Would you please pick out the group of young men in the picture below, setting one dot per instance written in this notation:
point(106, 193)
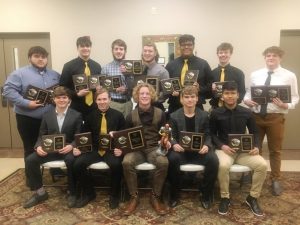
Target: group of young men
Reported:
point(103, 112)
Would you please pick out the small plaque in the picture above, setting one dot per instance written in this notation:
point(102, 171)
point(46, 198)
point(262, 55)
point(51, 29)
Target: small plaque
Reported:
point(139, 79)
point(37, 94)
point(93, 81)
point(219, 89)
point(105, 142)
point(241, 142)
point(190, 77)
point(130, 140)
point(112, 82)
point(170, 85)
point(133, 67)
point(154, 81)
point(53, 142)
point(263, 94)
point(80, 82)
point(102, 79)
point(50, 96)
point(191, 141)
point(83, 142)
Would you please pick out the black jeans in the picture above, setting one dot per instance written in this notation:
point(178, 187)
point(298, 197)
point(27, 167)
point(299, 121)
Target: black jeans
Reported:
point(33, 171)
point(84, 180)
point(28, 128)
point(209, 160)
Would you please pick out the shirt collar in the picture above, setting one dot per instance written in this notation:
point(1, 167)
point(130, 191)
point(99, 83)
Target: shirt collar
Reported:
point(61, 114)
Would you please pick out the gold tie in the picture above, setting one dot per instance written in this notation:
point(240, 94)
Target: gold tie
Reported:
point(103, 130)
point(183, 71)
point(222, 78)
point(89, 96)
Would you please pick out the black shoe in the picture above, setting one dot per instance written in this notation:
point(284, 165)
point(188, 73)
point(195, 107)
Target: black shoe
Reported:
point(35, 199)
point(206, 200)
point(71, 201)
point(276, 188)
point(224, 206)
point(253, 205)
point(173, 202)
point(113, 202)
point(84, 200)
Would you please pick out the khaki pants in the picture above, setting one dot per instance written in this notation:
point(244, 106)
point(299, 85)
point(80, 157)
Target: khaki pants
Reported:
point(255, 162)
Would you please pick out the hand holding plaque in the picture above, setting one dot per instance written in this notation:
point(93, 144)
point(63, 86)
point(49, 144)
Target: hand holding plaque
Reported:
point(241, 142)
point(170, 85)
point(166, 134)
point(111, 83)
point(53, 142)
point(262, 94)
point(80, 82)
point(191, 141)
point(132, 67)
point(83, 142)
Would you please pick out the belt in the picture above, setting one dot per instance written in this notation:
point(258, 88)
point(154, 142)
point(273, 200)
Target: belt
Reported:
point(119, 100)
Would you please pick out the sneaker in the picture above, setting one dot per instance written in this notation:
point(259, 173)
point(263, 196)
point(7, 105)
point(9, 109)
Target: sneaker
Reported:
point(224, 206)
point(253, 205)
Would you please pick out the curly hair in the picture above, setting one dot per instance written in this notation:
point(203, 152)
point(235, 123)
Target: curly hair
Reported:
point(136, 92)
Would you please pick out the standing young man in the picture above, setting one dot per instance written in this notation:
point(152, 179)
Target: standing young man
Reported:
point(270, 117)
point(188, 61)
point(234, 119)
point(120, 98)
point(152, 119)
point(29, 113)
point(82, 101)
point(192, 119)
point(226, 72)
point(59, 120)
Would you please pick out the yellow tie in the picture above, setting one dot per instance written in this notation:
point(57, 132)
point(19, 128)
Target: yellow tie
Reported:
point(222, 78)
point(103, 130)
point(183, 71)
point(89, 96)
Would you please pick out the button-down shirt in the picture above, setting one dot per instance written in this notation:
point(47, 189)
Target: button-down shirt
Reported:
point(60, 118)
point(17, 84)
point(280, 76)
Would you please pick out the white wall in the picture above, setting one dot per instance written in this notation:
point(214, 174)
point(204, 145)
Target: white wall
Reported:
point(250, 26)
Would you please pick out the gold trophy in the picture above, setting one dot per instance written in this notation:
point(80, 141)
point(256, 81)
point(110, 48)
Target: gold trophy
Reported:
point(166, 135)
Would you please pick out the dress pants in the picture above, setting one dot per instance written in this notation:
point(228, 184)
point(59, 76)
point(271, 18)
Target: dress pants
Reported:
point(272, 125)
point(148, 155)
point(209, 160)
point(85, 185)
point(28, 128)
point(255, 162)
point(33, 171)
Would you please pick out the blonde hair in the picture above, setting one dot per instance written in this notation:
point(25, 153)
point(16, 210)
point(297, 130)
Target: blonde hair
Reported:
point(136, 92)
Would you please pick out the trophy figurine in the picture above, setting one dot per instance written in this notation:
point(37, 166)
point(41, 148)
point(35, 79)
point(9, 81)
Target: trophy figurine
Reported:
point(166, 135)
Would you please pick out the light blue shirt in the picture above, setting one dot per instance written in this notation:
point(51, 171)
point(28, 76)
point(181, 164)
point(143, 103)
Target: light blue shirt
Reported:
point(17, 83)
point(61, 118)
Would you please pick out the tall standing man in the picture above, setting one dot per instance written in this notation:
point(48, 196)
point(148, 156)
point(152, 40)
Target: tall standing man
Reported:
point(82, 100)
point(120, 99)
point(270, 117)
point(226, 72)
point(188, 61)
point(29, 113)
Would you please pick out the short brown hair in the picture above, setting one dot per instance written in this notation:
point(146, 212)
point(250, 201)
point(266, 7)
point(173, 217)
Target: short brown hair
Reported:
point(274, 49)
point(119, 42)
point(189, 90)
point(136, 91)
point(225, 46)
point(186, 37)
point(84, 41)
point(61, 91)
point(152, 44)
point(101, 91)
point(37, 50)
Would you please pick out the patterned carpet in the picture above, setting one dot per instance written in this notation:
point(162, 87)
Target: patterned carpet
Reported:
point(278, 210)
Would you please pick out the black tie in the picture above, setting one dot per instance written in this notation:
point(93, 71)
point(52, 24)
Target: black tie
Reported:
point(263, 108)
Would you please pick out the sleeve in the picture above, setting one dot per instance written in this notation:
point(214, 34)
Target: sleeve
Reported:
point(43, 131)
point(78, 127)
point(175, 132)
point(252, 128)
point(241, 86)
point(205, 87)
point(66, 79)
point(214, 130)
point(294, 92)
point(207, 140)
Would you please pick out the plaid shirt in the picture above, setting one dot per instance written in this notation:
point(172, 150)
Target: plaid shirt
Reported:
point(112, 69)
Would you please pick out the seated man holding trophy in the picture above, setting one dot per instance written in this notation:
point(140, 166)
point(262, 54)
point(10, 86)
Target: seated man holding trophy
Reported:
point(152, 119)
point(100, 123)
point(228, 127)
point(55, 142)
point(191, 143)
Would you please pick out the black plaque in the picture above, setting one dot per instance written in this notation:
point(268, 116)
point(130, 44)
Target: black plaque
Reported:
point(191, 141)
point(105, 142)
point(80, 82)
point(93, 81)
point(190, 77)
point(219, 89)
point(132, 67)
point(53, 142)
point(102, 79)
point(37, 94)
point(241, 142)
point(83, 142)
point(263, 94)
point(111, 83)
point(50, 96)
point(176, 84)
point(154, 81)
point(130, 140)
point(139, 79)
point(170, 85)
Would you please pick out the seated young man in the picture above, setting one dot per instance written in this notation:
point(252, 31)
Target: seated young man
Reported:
point(234, 119)
point(102, 120)
point(192, 119)
point(152, 119)
point(59, 120)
